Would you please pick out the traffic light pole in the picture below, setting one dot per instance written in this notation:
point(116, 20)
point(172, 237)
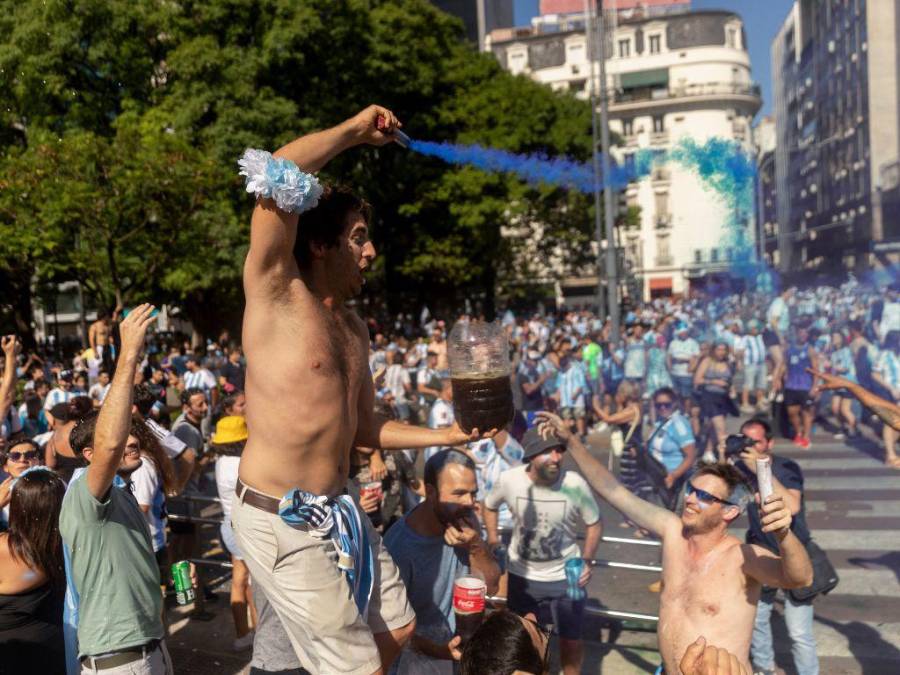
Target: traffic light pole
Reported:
point(595, 145)
point(612, 282)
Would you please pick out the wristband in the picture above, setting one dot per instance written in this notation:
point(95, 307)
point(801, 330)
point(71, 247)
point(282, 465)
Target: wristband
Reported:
point(281, 180)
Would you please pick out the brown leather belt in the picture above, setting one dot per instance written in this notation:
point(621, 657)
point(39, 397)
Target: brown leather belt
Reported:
point(122, 658)
point(250, 496)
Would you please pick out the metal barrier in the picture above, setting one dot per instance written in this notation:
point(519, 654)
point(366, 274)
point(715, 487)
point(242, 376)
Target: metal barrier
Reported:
point(594, 611)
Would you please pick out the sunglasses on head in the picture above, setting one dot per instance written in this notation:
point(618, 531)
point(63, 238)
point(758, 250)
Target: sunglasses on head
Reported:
point(19, 456)
point(704, 496)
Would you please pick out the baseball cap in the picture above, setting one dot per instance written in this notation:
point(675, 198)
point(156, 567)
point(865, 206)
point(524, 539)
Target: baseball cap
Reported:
point(534, 444)
point(534, 355)
point(230, 429)
point(66, 375)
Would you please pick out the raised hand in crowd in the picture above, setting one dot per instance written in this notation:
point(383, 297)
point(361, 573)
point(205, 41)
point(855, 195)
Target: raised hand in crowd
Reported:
point(703, 659)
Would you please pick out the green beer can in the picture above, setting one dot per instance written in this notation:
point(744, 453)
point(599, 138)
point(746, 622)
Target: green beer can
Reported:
point(181, 579)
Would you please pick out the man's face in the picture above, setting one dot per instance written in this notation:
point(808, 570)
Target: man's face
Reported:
point(432, 361)
point(65, 385)
point(197, 406)
point(547, 465)
point(438, 336)
point(37, 374)
point(131, 459)
point(758, 434)
point(700, 516)
point(347, 262)
point(664, 406)
point(103, 379)
point(192, 365)
point(454, 498)
point(234, 356)
point(19, 458)
point(240, 406)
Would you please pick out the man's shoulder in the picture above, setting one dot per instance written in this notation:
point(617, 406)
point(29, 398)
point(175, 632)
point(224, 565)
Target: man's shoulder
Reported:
point(785, 465)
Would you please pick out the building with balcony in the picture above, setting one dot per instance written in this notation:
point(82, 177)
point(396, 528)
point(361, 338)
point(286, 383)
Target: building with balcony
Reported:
point(766, 192)
point(670, 77)
point(835, 83)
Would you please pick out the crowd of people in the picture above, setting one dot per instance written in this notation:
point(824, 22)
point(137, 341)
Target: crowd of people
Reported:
point(105, 453)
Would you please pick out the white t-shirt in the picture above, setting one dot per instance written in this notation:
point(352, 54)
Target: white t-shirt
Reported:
point(148, 491)
point(396, 378)
point(98, 391)
point(226, 481)
point(440, 416)
point(683, 349)
point(546, 518)
point(200, 379)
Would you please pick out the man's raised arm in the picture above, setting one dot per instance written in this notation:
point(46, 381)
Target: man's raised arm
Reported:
point(649, 516)
point(888, 411)
point(114, 421)
point(273, 228)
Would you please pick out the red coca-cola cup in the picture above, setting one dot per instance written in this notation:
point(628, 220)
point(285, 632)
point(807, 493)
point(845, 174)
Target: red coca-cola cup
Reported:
point(468, 606)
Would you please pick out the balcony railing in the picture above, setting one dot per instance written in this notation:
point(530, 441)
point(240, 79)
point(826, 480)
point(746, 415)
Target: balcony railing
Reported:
point(664, 260)
point(663, 220)
point(685, 91)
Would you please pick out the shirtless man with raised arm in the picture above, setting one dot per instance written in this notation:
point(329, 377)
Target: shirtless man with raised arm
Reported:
point(310, 400)
point(711, 581)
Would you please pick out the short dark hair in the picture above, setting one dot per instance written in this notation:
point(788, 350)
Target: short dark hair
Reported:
point(667, 391)
point(187, 393)
point(732, 477)
point(82, 434)
point(144, 398)
point(435, 465)
point(500, 646)
point(759, 422)
point(325, 223)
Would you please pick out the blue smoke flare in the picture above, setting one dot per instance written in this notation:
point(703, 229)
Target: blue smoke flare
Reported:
point(720, 164)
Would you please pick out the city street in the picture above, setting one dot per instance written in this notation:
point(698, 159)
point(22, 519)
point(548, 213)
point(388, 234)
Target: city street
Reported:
point(853, 507)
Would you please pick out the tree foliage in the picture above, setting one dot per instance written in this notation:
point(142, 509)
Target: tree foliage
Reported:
point(124, 119)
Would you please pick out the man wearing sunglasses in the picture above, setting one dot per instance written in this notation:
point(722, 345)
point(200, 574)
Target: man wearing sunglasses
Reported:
point(711, 581)
point(672, 443)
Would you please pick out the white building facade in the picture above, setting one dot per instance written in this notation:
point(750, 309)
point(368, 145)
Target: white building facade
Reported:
point(670, 77)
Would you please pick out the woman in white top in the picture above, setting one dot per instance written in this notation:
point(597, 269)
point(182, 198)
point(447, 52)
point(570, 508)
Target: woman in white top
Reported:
point(228, 443)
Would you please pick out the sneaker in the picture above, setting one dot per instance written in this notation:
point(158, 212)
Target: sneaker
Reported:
point(748, 409)
point(763, 671)
point(708, 457)
point(804, 443)
point(600, 427)
point(840, 436)
point(242, 643)
point(798, 441)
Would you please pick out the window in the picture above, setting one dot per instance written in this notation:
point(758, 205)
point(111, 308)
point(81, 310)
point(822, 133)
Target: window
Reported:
point(659, 124)
point(628, 127)
point(624, 48)
point(662, 206)
point(655, 44)
point(663, 254)
point(731, 37)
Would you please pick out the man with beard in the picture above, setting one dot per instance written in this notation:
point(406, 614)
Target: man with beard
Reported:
point(547, 505)
point(711, 581)
point(315, 556)
point(113, 568)
point(436, 542)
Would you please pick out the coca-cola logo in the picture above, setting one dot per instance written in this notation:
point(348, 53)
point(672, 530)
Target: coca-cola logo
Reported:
point(468, 600)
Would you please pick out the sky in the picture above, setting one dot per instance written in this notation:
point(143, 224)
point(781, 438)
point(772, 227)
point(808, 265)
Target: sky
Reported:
point(760, 25)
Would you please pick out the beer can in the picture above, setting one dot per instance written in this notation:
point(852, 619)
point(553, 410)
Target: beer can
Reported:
point(181, 579)
point(764, 478)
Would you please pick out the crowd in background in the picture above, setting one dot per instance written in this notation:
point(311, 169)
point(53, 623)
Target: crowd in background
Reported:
point(679, 370)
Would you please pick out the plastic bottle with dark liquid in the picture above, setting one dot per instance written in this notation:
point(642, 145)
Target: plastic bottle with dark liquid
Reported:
point(479, 372)
point(483, 401)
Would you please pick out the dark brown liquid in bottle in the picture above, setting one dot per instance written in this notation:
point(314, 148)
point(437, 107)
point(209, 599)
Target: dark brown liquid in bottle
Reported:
point(483, 402)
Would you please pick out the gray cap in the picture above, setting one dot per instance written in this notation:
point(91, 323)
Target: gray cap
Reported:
point(534, 444)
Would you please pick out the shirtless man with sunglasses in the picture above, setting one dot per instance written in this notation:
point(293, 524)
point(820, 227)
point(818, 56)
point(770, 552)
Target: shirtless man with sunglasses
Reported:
point(711, 581)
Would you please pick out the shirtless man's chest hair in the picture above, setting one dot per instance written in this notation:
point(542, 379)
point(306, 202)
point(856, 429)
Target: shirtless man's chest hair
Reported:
point(705, 594)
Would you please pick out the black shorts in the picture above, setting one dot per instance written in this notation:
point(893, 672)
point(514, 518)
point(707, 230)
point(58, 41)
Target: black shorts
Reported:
point(770, 338)
point(795, 397)
point(713, 404)
point(550, 604)
point(181, 527)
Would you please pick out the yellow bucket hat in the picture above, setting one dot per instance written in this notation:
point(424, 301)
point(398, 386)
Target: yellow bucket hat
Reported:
point(230, 429)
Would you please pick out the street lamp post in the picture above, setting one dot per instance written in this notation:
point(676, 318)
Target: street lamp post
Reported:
point(598, 227)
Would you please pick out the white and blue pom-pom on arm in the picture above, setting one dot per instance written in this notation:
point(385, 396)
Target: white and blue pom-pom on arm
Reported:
point(281, 180)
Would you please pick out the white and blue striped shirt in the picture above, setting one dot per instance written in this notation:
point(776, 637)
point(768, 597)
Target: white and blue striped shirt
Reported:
point(57, 396)
point(888, 366)
point(753, 348)
point(199, 379)
point(572, 385)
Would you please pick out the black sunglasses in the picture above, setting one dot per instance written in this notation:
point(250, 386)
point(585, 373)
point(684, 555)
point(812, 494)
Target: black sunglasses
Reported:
point(19, 456)
point(664, 404)
point(704, 496)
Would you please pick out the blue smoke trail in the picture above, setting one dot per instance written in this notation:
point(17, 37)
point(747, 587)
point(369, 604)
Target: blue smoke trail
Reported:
point(720, 164)
point(536, 168)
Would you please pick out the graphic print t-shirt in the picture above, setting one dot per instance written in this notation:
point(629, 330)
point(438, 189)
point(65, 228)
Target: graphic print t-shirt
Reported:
point(546, 518)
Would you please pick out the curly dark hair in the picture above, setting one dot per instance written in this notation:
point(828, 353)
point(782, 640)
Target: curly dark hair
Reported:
point(326, 223)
